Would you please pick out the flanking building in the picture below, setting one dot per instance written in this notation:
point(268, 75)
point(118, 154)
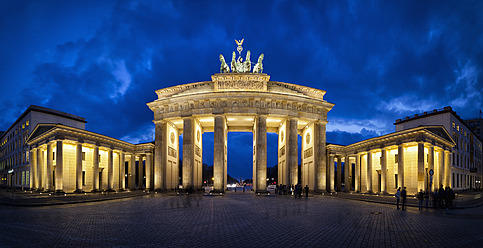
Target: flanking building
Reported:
point(466, 159)
point(401, 159)
point(14, 150)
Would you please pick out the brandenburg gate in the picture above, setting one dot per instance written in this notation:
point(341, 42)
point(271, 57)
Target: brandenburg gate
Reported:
point(240, 100)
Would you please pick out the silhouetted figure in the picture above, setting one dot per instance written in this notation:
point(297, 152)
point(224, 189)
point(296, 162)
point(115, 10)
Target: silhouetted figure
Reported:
point(306, 191)
point(403, 195)
point(435, 199)
point(420, 196)
point(398, 196)
point(441, 196)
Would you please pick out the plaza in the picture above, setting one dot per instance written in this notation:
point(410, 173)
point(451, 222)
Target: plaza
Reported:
point(167, 220)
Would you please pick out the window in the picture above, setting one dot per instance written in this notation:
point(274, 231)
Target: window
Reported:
point(27, 123)
point(457, 180)
point(53, 155)
point(454, 125)
point(83, 156)
point(458, 128)
point(396, 157)
point(99, 158)
point(395, 181)
point(477, 123)
point(83, 178)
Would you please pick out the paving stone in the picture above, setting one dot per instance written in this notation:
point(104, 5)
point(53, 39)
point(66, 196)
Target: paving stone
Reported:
point(245, 220)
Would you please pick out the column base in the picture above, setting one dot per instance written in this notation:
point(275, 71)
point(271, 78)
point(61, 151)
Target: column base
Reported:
point(110, 190)
point(79, 191)
point(59, 192)
point(95, 191)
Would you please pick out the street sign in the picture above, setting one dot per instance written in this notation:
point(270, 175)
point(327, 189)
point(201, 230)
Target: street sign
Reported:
point(431, 172)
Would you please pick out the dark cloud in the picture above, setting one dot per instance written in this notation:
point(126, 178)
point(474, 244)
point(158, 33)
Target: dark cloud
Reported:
point(378, 61)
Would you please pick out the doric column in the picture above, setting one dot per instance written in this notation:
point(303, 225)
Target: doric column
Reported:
point(122, 171)
point(33, 168)
point(49, 171)
point(357, 173)
point(427, 180)
point(140, 173)
point(369, 172)
point(440, 170)
point(188, 152)
point(292, 155)
point(383, 171)
point(110, 170)
point(160, 153)
point(149, 168)
point(447, 169)
point(320, 139)
point(331, 172)
point(339, 173)
point(400, 166)
point(59, 167)
point(40, 171)
point(78, 167)
point(132, 172)
point(420, 166)
point(347, 173)
point(261, 154)
point(95, 171)
point(219, 154)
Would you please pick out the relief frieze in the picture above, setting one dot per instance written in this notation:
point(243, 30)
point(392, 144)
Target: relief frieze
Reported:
point(309, 152)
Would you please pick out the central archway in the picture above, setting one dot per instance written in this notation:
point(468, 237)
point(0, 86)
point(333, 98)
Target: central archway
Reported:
point(240, 102)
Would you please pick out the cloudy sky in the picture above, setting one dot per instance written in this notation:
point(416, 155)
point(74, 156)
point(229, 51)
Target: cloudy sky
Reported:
point(378, 60)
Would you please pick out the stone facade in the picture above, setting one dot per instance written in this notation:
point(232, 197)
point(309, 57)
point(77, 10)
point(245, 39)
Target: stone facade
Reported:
point(67, 159)
point(401, 159)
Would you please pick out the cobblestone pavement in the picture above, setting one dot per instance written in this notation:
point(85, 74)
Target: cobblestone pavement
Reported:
point(246, 220)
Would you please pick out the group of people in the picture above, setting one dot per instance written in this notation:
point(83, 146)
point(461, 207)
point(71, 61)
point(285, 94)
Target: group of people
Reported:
point(296, 190)
point(442, 198)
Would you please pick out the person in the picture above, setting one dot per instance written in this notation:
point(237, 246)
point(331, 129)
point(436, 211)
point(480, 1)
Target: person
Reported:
point(398, 196)
point(420, 196)
point(306, 191)
point(435, 198)
point(441, 196)
point(403, 195)
point(451, 197)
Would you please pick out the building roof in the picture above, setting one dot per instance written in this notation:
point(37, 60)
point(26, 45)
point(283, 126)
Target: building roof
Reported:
point(44, 110)
point(447, 109)
point(45, 132)
point(430, 134)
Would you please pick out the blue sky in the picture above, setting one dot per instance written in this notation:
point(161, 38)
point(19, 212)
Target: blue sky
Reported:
point(378, 60)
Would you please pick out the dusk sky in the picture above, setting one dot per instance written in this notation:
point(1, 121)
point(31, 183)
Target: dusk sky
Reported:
point(378, 61)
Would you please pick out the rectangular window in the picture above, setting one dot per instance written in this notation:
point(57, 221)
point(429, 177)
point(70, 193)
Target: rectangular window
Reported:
point(395, 181)
point(457, 181)
point(396, 158)
point(453, 180)
point(83, 178)
point(27, 177)
point(83, 156)
point(53, 155)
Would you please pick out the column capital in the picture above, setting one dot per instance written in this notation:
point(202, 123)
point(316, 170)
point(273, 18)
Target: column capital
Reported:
point(324, 122)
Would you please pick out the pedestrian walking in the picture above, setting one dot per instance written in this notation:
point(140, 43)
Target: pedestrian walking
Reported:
point(306, 191)
point(441, 196)
point(420, 196)
point(435, 199)
point(403, 195)
point(398, 196)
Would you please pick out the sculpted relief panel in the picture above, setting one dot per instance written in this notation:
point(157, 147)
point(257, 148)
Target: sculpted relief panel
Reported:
point(207, 106)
